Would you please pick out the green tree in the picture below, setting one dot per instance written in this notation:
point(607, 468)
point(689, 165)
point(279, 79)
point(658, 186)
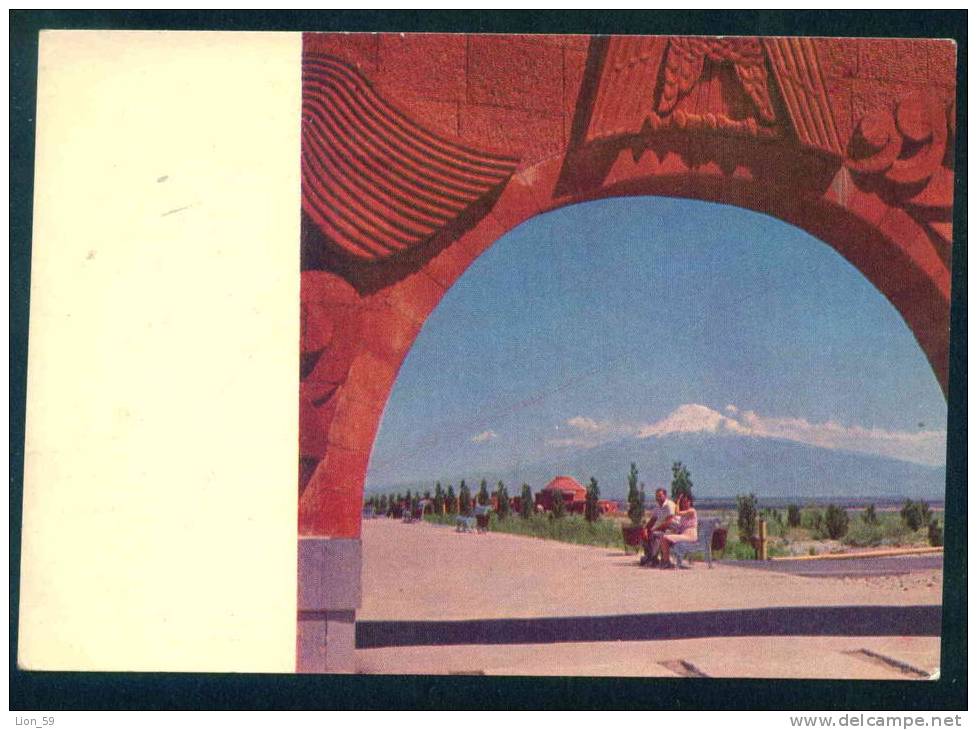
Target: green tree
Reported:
point(924, 511)
point(636, 504)
point(793, 515)
point(483, 493)
point(591, 507)
point(427, 494)
point(438, 499)
point(526, 506)
point(869, 517)
point(681, 481)
point(502, 496)
point(450, 500)
point(746, 515)
point(915, 514)
point(934, 533)
point(464, 499)
point(559, 509)
point(408, 500)
point(909, 515)
point(383, 504)
point(836, 522)
point(815, 521)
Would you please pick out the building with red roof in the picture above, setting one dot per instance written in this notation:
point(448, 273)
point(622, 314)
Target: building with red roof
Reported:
point(570, 489)
point(574, 496)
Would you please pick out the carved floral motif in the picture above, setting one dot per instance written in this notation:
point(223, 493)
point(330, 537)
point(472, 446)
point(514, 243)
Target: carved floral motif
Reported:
point(906, 145)
point(905, 148)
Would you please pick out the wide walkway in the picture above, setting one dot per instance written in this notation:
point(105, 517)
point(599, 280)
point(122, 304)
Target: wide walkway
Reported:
point(593, 611)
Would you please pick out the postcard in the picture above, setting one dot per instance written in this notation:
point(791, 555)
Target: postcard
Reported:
point(458, 353)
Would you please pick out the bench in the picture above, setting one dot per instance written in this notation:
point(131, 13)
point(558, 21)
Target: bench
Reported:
point(702, 545)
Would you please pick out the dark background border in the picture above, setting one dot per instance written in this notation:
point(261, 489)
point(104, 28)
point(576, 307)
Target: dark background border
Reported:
point(147, 691)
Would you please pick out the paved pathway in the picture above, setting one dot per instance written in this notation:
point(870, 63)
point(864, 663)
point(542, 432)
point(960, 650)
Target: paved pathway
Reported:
point(587, 610)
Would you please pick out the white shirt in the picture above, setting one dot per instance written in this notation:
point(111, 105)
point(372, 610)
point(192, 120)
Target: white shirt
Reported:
point(662, 512)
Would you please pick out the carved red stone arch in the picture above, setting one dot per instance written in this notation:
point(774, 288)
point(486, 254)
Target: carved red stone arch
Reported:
point(419, 152)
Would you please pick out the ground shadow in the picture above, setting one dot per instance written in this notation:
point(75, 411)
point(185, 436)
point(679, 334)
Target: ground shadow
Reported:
point(783, 621)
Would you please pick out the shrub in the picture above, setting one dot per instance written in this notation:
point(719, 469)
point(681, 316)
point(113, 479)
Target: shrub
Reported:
point(934, 533)
point(636, 503)
point(836, 522)
point(820, 528)
point(915, 514)
point(502, 495)
point(813, 519)
point(869, 517)
point(526, 506)
point(793, 515)
point(558, 507)
point(740, 550)
point(889, 530)
point(681, 481)
point(591, 508)
point(746, 514)
point(775, 522)
point(864, 534)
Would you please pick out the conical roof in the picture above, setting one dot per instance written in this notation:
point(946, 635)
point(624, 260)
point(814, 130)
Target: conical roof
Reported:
point(566, 484)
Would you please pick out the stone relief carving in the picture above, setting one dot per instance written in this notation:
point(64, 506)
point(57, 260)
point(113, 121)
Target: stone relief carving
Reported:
point(907, 147)
point(373, 181)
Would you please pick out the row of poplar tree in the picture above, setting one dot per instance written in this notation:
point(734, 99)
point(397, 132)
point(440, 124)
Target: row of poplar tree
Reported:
point(445, 501)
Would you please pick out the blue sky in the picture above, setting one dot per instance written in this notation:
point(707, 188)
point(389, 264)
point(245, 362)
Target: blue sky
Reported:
point(643, 316)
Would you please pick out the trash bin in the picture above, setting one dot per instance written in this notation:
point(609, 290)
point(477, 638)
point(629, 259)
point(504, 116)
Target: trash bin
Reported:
point(719, 540)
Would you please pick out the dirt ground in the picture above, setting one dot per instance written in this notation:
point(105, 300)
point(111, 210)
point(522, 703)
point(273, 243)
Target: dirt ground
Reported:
point(423, 572)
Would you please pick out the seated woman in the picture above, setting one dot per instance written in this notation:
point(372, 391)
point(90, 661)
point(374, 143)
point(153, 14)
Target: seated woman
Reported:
point(686, 529)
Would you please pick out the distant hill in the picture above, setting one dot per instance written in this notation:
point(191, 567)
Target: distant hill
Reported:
point(721, 466)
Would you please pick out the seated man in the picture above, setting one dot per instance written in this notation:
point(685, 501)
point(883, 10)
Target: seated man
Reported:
point(662, 517)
